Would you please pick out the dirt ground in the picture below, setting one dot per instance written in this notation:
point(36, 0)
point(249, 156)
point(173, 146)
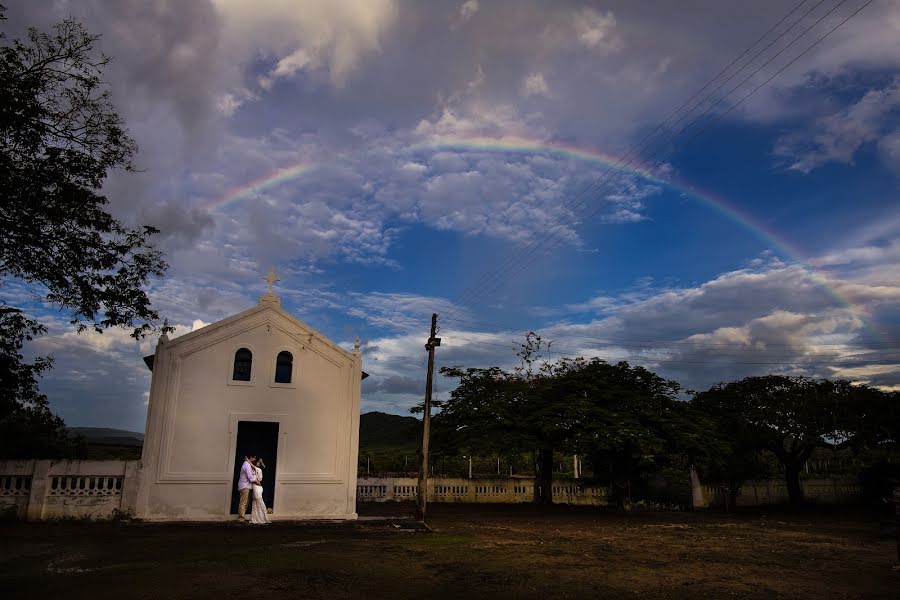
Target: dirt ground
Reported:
point(475, 551)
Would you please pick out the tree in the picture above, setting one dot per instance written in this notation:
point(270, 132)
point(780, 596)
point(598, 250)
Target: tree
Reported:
point(787, 416)
point(492, 410)
point(60, 136)
point(28, 429)
point(729, 454)
point(625, 419)
point(616, 414)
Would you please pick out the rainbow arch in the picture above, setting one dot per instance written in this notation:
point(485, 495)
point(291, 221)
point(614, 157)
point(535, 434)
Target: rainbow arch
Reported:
point(716, 203)
point(270, 180)
point(523, 145)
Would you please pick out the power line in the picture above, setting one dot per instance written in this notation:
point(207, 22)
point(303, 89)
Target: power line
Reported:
point(722, 115)
point(635, 151)
point(734, 352)
point(791, 360)
point(498, 276)
point(660, 342)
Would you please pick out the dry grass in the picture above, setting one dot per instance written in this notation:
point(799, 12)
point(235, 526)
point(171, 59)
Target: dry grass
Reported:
point(476, 551)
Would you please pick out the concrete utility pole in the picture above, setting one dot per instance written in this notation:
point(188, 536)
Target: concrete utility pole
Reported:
point(422, 497)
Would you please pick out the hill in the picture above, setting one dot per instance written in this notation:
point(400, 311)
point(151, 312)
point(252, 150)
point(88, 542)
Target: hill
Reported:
point(381, 430)
point(108, 437)
point(376, 429)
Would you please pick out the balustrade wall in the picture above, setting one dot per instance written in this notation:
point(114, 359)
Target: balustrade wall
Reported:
point(774, 491)
point(573, 491)
point(37, 490)
point(477, 491)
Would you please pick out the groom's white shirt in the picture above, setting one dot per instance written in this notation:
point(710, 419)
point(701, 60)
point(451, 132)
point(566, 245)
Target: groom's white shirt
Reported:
point(248, 476)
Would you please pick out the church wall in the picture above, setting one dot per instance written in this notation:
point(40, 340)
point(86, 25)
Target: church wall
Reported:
point(195, 408)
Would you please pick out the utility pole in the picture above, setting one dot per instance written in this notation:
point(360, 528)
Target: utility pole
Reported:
point(422, 497)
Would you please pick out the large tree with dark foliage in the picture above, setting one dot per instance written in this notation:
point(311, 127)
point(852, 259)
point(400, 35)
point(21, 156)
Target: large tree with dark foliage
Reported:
point(792, 416)
point(60, 136)
point(624, 418)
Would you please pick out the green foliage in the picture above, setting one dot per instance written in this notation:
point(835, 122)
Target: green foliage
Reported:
point(389, 444)
point(623, 418)
point(59, 138)
point(637, 435)
point(378, 429)
point(790, 417)
point(28, 429)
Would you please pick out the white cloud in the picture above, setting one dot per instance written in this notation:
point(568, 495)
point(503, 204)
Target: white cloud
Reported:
point(595, 30)
point(229, 102)
point(468, 10)
point(866, 254)
point(838, 137)
point(535, 85)
point(889, 147)
point(304, 34)
point(587, 28)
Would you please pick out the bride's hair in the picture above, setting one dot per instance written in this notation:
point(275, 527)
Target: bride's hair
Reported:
point(260, 463)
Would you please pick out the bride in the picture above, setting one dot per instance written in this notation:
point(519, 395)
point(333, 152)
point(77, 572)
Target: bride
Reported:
point(259, 515)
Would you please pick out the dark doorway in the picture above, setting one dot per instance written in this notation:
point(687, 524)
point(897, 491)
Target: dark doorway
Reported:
point(261, 439)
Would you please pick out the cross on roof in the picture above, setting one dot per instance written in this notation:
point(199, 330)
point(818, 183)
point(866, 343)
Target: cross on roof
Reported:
point(271, 278)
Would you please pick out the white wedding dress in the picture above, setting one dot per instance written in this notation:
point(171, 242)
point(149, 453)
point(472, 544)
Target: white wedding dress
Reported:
point(259, 515)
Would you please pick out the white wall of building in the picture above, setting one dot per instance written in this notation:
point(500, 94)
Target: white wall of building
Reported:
point(195, 407)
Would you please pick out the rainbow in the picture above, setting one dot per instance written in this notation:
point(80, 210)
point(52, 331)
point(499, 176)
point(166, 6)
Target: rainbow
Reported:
point(529, 146)
point(521, 145)
point(260, 184)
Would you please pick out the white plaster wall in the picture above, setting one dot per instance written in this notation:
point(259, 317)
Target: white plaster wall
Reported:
point(84, 488)
point(195, 408)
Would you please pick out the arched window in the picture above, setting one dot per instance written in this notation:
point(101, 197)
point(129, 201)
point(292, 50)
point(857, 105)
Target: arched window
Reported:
point(283, 366)
point(243, 360)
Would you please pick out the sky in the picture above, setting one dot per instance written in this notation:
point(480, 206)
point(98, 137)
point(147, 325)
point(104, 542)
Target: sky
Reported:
point(703, 187)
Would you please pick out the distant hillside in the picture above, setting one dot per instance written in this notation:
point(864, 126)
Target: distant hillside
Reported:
point(108, 437)
point(381, 430)
point(376, 430)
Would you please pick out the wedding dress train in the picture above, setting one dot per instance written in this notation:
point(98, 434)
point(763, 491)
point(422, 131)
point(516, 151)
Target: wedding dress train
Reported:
point(258, 514)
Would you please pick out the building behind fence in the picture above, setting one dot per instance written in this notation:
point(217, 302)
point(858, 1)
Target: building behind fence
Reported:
point(38, 490)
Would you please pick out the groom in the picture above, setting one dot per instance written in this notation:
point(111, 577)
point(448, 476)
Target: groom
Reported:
point(245, 483)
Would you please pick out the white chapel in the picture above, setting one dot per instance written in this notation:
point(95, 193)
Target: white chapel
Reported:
point(260, 382)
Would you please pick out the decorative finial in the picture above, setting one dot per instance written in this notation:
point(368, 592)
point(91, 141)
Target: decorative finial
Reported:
point(271, 278)
point(356, 345)
point(165, 330)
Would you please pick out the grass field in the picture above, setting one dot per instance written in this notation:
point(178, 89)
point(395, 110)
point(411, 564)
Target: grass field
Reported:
point(499, 551)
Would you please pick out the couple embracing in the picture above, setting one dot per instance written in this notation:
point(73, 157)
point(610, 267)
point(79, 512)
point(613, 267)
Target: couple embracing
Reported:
point(251, 480)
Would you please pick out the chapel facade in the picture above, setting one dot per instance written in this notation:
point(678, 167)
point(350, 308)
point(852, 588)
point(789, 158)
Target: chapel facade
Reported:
point(260, 382)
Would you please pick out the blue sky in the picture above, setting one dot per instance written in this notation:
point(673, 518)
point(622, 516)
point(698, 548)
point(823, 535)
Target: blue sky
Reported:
point(428, 145)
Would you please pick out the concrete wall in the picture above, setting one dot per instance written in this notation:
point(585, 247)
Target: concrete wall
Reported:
point(481, 491)
point(37, 490)
point(195, 407)
point(774, 491)
point(573, 491)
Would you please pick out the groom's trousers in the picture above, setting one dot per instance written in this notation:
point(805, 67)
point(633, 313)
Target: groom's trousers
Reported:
point(245, 499)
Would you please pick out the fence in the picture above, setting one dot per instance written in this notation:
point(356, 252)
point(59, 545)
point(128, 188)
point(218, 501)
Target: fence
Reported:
point(513, 491)
point(38, 490)
point(480, 491)
point(774, 491)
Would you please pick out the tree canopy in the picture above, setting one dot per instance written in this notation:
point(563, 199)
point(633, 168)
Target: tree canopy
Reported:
point(631, 424)
point(792, 416)
point(60, 137)
point(624, 414)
